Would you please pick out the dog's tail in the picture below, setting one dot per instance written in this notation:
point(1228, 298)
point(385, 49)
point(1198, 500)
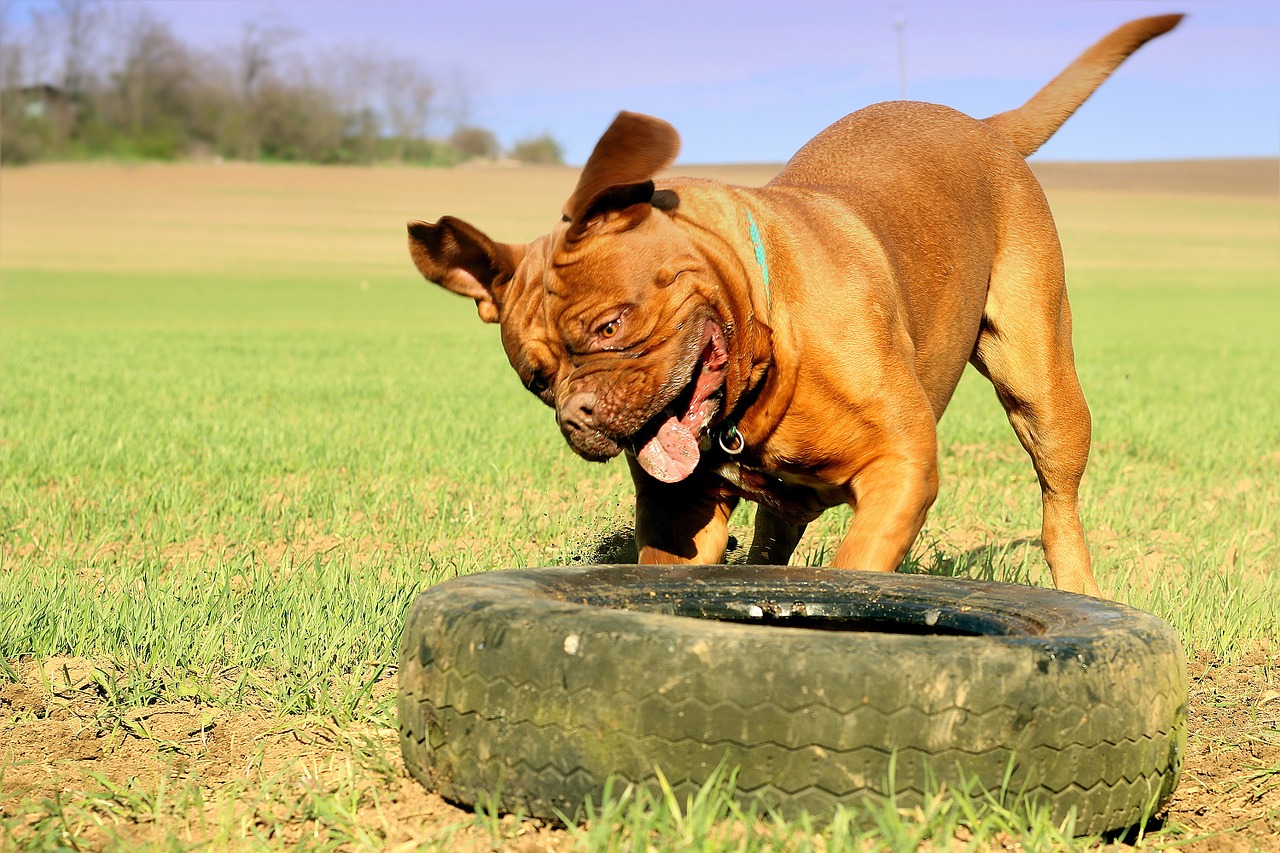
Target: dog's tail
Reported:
point(1030, 125)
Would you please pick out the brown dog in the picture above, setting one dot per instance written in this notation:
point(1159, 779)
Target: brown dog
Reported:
point(795, 344)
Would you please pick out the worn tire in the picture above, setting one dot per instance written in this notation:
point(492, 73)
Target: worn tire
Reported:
point(530, 688)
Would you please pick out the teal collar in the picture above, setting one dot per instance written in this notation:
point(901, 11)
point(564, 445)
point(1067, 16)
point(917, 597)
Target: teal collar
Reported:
point(761, 259)
point(727, 436)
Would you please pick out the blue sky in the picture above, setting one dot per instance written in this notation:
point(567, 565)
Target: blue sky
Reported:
point(751, 80)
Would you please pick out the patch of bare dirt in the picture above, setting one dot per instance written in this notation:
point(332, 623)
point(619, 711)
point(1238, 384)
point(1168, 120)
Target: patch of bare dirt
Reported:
point(65, 752)
point(1257, 177)
point(1230, 788)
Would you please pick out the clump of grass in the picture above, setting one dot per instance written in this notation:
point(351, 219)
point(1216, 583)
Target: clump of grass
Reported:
point(714, 819)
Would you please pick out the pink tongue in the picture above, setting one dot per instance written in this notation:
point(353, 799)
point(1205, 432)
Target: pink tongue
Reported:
point(672, 453)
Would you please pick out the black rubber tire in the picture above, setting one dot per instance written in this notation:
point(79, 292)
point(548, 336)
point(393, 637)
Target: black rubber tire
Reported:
point(530, 688)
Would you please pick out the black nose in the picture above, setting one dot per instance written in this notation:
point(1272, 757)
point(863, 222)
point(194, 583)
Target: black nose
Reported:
point(577, 415)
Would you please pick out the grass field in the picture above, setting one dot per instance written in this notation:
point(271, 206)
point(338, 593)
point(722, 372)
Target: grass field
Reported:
point(238, 434)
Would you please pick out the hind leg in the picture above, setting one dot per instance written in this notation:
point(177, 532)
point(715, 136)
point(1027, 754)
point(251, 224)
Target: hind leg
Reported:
point(774, 541)
point(1024, 348)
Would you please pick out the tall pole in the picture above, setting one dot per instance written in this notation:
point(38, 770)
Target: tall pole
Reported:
point(900, 24)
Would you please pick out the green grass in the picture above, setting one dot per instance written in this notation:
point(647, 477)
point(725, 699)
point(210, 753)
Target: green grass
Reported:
point(711, 821)
point(227, 485)
point(168, 494)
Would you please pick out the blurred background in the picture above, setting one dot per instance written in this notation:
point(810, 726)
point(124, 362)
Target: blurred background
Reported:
point(745, 82)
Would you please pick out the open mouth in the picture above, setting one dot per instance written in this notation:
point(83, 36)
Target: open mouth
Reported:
point(667, 447)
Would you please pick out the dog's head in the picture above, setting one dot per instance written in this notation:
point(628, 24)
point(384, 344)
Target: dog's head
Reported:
point(506, 282)
point(623, 318)
point(639, 295)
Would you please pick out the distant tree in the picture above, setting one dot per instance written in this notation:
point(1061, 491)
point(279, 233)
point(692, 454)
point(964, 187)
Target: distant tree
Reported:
point(541, 150)
point(300, 123)
point(94, 77)
point(69, 29)
point(54, 55)
point(474, 142)
point(10, 50)
point(260, 42)
point(151, 93)
point(459, 91)
point(249, 111)
point(408, 93)
point(353, 75)
point(20, 141)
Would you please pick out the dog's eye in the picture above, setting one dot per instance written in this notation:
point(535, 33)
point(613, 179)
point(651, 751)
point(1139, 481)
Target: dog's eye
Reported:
point(609, 329)
point(537, 383)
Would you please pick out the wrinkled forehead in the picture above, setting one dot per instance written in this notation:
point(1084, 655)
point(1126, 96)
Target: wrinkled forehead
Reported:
point(617, 265)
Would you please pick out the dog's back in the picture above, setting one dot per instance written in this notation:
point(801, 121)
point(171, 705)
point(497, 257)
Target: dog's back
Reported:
point(874, 143)
point(947, 196)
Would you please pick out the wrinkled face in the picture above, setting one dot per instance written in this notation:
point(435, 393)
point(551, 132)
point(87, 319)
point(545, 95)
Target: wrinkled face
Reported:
point(532, 344)
point(646, 354)
point(609, 318)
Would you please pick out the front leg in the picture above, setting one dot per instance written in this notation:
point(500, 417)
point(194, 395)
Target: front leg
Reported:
point(685, 522)
point(890, 500)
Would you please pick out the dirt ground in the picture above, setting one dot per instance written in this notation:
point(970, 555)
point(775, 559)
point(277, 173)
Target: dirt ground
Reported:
point(1257, 178)
point(242, 768)
point(1251, 177)
point(134, 207)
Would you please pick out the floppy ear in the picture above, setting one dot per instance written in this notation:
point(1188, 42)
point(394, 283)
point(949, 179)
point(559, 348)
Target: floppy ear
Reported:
point(619, 173)
point(461, 258)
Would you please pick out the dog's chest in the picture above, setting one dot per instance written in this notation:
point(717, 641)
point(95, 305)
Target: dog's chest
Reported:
point(786, 496)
